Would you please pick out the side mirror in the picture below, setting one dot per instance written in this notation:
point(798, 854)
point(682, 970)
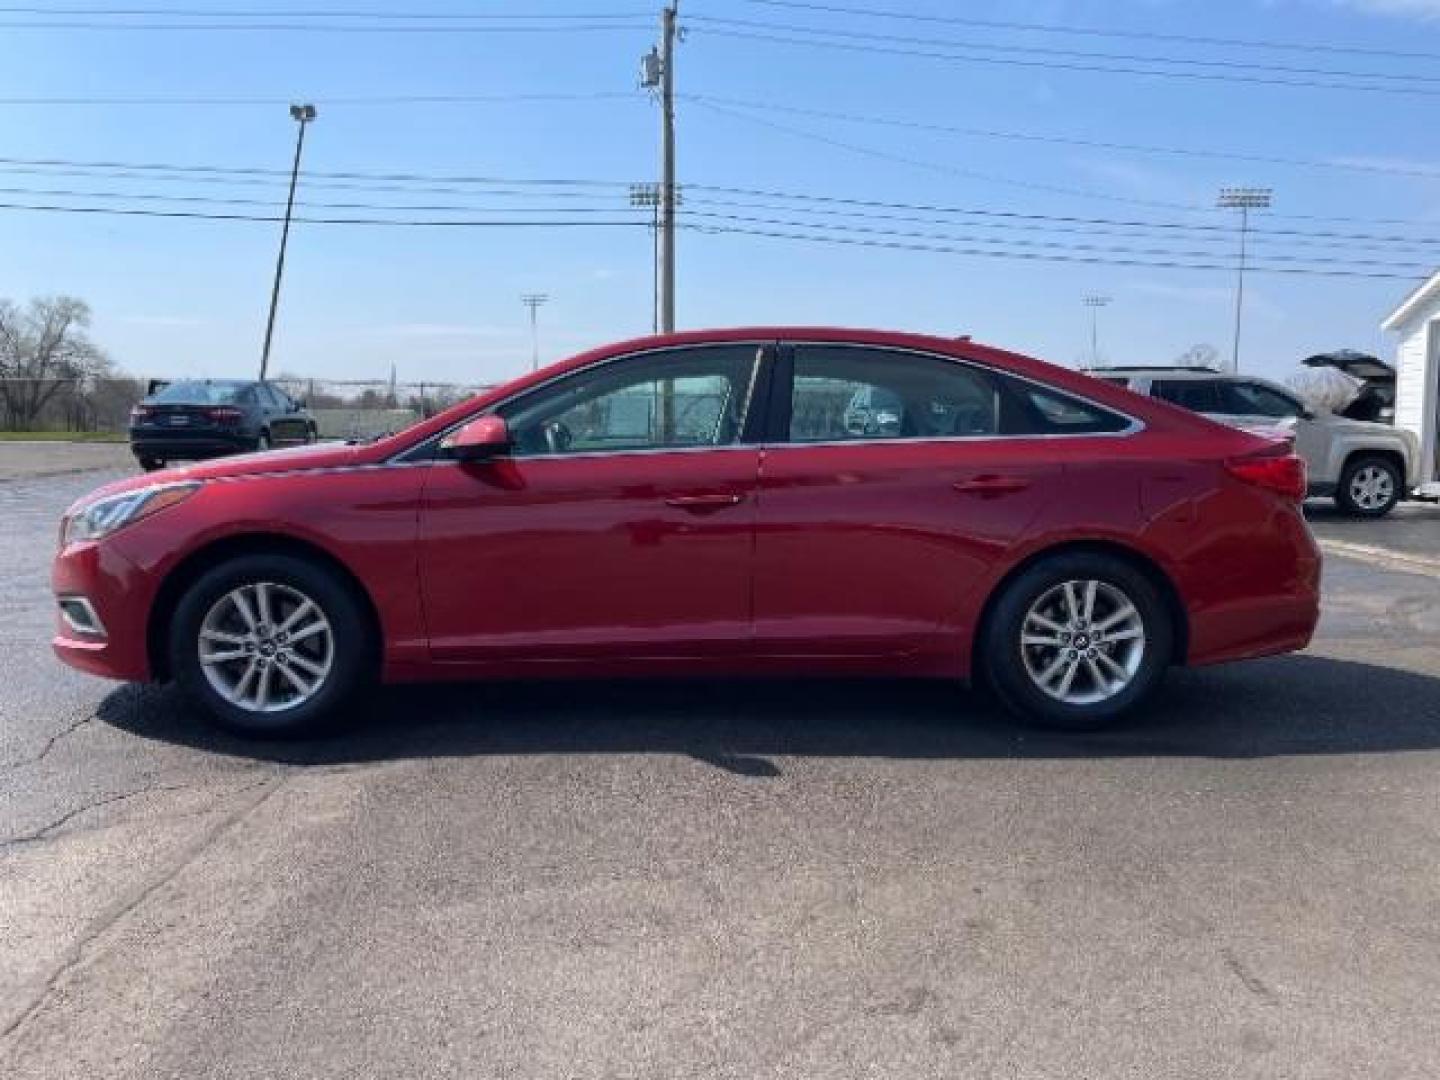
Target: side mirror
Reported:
point(482, 438)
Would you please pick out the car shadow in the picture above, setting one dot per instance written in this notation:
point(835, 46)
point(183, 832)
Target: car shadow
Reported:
point(1290, 705)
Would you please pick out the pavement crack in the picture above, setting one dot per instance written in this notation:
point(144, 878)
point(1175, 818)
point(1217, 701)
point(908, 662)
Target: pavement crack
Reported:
point(1248, 978)
point(78, 952)
point(51, 743)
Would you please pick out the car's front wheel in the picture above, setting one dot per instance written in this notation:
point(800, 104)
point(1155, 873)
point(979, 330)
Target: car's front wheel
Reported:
point(1370, 486)
point(271, 645)
point(148, 463)
point(1076, 640)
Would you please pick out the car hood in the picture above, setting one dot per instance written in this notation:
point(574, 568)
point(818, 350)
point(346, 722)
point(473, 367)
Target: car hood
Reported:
point(270, 462)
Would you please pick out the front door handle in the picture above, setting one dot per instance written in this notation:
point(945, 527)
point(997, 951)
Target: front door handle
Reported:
point(991, 484)
point(705, 504)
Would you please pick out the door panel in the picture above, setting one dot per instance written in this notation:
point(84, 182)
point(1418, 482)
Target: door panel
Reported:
point(589, 556)
point(891, 492)
point(870, 549)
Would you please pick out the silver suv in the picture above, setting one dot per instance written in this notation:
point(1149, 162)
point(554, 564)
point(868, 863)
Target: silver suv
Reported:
point(1367, 468)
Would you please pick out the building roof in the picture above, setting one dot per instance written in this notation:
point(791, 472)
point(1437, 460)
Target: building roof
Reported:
point(1426, 291)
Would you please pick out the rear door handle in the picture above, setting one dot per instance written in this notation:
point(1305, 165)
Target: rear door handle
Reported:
point(704, 504)
point(991, 485)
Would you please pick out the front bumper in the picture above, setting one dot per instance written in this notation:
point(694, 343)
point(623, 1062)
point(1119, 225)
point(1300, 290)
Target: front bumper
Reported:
point(120, 596)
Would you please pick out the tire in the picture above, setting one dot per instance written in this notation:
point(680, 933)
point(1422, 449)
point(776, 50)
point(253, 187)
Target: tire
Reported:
point(149, 464)
point(312, 433)
point(262, 441)
point(1015, 668)
point(207, 616)
point(1370, 486)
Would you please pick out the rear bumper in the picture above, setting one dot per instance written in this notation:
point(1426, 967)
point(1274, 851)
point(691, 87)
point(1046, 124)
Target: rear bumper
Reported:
point(163, 444)
point(120, 595)
point(1272, 609)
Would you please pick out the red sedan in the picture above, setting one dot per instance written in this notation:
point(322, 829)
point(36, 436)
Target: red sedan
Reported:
point(756, 501)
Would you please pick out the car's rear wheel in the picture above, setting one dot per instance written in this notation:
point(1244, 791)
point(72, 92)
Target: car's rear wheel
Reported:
point(1076, 640)
point(148, 463)
point(1370, 486)
point(271, 645)
point(262, 441)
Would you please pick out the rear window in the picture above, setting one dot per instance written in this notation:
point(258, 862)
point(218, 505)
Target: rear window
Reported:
point(200, 393)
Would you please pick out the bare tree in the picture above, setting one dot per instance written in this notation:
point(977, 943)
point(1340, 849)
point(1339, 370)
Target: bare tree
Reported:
point(44, 347)
point(1198, 356)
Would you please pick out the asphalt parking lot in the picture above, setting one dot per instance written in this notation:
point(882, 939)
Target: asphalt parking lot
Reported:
point(734, 880)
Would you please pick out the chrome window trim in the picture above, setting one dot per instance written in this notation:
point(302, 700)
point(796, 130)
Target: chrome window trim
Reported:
point(1134, 427)
point(758, 343)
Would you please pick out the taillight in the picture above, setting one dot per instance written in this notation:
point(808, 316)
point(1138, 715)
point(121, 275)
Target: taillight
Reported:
point(139, 413)
point(1281, 473)
point(224, 415)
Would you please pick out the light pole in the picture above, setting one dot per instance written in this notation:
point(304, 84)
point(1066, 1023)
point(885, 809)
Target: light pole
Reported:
point(1095, 303)
point(1244, 200)
point(302, 115)
point(533, 301)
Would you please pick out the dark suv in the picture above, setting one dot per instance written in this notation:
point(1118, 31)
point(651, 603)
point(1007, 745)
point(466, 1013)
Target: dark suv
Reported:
point(203, 418)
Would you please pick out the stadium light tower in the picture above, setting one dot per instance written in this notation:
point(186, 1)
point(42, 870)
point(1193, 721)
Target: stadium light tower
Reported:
point(302, 115)
point(1244, 200)
point(534, 301)
point(1095, 303)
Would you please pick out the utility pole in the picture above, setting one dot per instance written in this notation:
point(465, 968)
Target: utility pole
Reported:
point(1244, 200)
point(533, 301)
point(1095, 303)
point(657, 72)
point(302, 115)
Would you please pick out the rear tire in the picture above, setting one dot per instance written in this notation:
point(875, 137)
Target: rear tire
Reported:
point(1370, 486)
point(149, 464)
point(284, 659)
point(262, 441)
point(1077, 640)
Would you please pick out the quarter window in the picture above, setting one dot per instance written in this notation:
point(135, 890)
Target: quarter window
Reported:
point(1251, 399)
point(663, 400)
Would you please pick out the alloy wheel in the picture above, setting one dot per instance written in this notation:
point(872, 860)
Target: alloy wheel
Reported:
point(1372, 487)
point(266, 647)
point(1082, 642)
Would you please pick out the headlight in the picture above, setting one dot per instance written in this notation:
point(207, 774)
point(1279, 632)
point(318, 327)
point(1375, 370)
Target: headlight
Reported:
point(104, 516)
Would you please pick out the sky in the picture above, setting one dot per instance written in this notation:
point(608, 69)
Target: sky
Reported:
point(1052, 161)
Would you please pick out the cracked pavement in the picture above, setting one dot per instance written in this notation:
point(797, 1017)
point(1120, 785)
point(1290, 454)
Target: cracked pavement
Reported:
point(780, 880)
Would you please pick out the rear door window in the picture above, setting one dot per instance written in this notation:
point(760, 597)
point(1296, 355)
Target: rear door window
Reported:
point(1197, 395)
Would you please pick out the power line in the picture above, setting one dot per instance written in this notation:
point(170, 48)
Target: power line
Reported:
point(362, 99)
point(1090, 31)
point(1038, 257)
point(319, 28)
point(575, 188)
point(1061, 140)
point(1041, 50)
point(920, 242)
point(319, 13)
point(951, 170)
point(954, 54)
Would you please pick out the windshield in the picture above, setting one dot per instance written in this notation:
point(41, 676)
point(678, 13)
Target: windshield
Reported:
point(200, 393)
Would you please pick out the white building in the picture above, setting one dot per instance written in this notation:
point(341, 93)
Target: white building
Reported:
point(1416, 322)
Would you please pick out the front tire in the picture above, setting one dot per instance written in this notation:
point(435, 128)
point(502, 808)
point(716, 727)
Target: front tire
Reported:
point(271, 645)
point(1077, 640)
point(1370, 486)
point(148, 463)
